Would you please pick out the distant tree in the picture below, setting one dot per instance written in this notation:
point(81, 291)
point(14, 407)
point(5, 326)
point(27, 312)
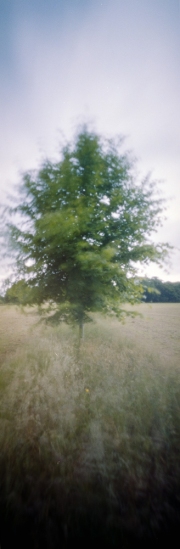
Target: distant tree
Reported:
point(18, 293)
point(88, 223)
point(150, 291)
point(163, 292)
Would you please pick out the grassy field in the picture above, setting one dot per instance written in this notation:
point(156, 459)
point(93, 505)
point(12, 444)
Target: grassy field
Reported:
point(90, 444)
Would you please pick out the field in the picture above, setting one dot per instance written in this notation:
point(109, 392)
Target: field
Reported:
point(90, 440)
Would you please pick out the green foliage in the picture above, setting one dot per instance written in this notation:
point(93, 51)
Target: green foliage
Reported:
point(87, 223)
point(157, 291)
point(19, 293)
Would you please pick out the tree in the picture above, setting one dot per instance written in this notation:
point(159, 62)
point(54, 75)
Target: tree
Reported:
point(163, 292)
point(85, 222)
point(18, 293)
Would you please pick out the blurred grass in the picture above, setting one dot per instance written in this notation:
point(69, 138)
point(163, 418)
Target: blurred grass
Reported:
point(90, 447)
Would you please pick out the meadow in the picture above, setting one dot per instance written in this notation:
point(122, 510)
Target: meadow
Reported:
point(90, 440)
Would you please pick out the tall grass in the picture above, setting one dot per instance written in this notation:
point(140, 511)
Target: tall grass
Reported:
point(89, 446)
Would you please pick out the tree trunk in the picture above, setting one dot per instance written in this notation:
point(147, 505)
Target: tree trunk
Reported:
point(81, 330)
point(80, 338)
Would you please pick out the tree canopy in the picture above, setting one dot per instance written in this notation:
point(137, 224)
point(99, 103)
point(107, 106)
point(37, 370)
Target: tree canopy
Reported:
point(85, 223)
point(156, 291)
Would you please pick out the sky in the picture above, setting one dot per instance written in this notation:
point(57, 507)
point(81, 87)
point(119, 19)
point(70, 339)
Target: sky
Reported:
point(113, 64)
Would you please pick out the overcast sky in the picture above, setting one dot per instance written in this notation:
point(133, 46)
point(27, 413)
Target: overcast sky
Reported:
point(114, 63)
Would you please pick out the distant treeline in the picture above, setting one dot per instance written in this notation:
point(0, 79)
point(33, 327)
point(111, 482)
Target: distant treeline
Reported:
point(157, 291)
